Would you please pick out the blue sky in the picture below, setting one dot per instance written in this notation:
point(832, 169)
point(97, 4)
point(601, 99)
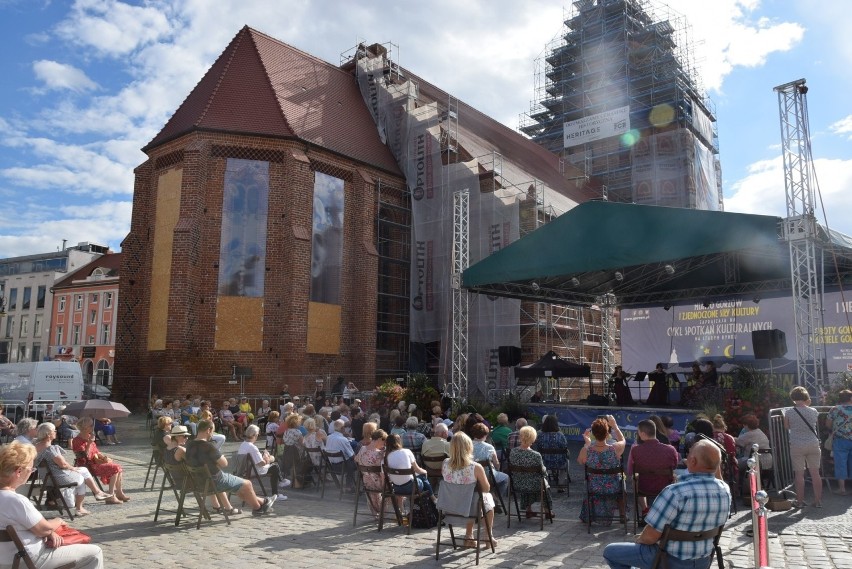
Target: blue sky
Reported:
point(86, 84)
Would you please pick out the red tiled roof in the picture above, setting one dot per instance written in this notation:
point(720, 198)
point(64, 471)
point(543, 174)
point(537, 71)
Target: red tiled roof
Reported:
point(262, 86)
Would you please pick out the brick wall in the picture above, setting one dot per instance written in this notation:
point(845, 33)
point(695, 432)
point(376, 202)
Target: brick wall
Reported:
point(190, 364)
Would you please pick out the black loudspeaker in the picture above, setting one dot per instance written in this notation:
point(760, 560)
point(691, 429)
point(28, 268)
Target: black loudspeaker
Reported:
point(769, 344)
point(509, 356)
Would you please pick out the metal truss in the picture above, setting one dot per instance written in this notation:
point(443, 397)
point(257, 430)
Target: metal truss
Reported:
point(800, 231)
point(607, 303)
point(460, 261)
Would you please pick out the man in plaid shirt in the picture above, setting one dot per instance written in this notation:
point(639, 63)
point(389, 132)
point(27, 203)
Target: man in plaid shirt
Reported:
point(697, 502)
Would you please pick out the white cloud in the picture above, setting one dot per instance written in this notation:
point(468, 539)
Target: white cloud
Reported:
point(726, 35)
point(83, 169)
point(114, 28)
point(843, 126)
point(762, 191)
point(104, 223)
point(60, 76)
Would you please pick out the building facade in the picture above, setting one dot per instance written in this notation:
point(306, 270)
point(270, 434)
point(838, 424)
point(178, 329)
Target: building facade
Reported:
point(26, 285)
point(83, 319)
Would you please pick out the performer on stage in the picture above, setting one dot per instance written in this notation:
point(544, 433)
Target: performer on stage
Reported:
point(660, 391)
point(622, 391)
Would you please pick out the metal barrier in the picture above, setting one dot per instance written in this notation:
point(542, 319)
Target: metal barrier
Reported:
point(779, 441)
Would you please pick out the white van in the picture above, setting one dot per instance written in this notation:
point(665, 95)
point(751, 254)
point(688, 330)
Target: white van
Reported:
point(40, 384)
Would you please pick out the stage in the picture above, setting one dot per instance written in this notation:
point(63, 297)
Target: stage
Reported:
point(574, 419)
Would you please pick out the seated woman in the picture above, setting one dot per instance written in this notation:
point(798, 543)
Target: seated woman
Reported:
point(604, 488)
point(216, 439)
point(373, 454)
point(264, 462)
point(37, 534)
point(291, 453)
point(229, 421)
point(483, 451)
point(314, 439)
point(528, 485)
point(187, 415)
point(263, 415)
point(99, 464)
point(550, 438)
point(245, 416)
point(731, 471)
point(460, 468)
point(107, 429)
point(752, 435)
point(62, 471)
point(270, 427)
point(161, 435)
point(402, 458)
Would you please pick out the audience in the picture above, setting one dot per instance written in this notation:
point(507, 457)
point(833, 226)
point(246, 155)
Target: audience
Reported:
point(438, 444)
point(604, 488)
point(263, 461)
point(482, 451)
point(411, 439)
point(650, 454)
point(337, 442)
point(373, 454)
point(550, 438)
point(402, 458)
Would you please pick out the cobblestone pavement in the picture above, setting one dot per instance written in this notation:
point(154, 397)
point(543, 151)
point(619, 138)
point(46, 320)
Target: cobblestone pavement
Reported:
point(305, 531)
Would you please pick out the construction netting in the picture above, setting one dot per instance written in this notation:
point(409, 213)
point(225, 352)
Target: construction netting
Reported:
point(425, 144)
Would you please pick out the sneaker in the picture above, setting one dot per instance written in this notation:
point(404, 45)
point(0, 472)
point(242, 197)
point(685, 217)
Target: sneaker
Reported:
point(285, 483)
point(282, 497)
point(265, 507)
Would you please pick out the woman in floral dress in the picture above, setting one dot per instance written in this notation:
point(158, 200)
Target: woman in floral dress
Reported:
point(373, 455)
point(527, 486)
point(461, 469)
point(605, 489)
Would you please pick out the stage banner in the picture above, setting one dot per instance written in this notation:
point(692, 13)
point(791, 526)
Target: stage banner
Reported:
point(573, 421)
point(721, 331)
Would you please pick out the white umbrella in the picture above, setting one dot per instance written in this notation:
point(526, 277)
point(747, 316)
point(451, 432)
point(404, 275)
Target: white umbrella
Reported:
point(96, 408)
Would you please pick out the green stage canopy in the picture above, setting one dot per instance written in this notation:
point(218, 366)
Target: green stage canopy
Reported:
point(647, 255)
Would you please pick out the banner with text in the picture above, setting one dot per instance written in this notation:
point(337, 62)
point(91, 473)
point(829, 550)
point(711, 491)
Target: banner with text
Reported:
point(596, 127)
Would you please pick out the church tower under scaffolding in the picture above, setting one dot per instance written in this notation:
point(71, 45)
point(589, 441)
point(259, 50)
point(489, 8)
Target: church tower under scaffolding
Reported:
point(618, 96)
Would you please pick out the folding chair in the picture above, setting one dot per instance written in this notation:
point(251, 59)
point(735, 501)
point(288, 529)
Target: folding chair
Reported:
point(315, 454)
point(203, 486)
point(394, 497)
point(328, 470)
point(620, 495)
point(180, 483)
point(457, 505)
point(661, 559)
point(244, 467)
point(534, 471)
point(495, 490)
point(638, 475)
point(553, 473)
point(368, 491)
point(9, 534)
point(53, 490)
point(156, 463)
point(432, 464)
point(767, 475)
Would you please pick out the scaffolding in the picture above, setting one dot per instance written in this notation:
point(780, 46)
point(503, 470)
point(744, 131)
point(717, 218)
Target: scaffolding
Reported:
point(630, 53)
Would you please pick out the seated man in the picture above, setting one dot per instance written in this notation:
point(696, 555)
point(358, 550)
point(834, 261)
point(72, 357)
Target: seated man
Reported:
point(651, 454)
point(337, 442)
point(438, 444)
point(698, 502)
point(201, 452)
point(514, 438)
point(411, 439)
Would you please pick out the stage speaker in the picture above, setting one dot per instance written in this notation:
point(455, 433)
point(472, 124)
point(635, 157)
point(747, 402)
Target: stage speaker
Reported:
point(509, 356)
point(769, 344)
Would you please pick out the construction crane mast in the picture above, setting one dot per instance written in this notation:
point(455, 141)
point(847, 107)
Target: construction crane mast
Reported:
point(800, 231)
